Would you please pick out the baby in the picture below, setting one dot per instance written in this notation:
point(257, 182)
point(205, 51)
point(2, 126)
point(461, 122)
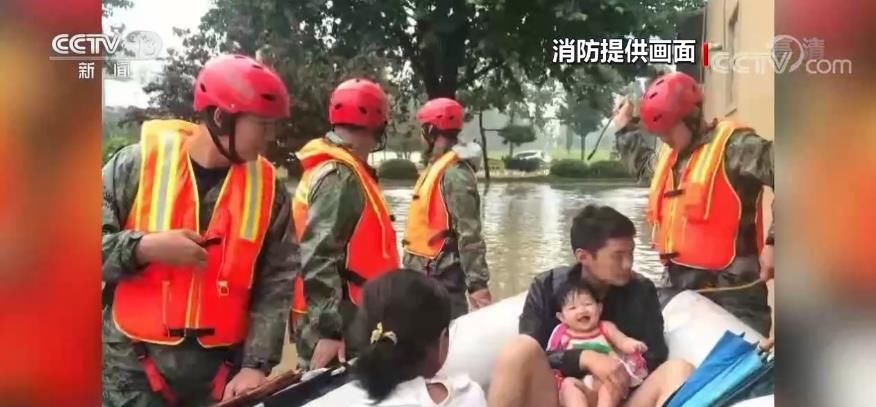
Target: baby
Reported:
point(580, 328)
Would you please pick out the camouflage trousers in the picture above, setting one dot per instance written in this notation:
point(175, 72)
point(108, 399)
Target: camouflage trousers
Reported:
point(453, 280)
point(749, 304)
point(188, 369)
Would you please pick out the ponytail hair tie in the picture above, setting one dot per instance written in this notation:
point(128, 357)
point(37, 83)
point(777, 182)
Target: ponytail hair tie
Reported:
point(377, 334)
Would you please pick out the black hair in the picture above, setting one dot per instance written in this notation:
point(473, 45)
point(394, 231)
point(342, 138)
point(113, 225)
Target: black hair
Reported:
point(576, 286)
point(416, 309)
point(595, 224)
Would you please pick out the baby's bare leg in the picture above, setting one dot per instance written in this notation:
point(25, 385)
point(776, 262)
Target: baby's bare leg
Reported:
point(572, 393)
point(599, 395)
point(591, 386)
point(607, 397)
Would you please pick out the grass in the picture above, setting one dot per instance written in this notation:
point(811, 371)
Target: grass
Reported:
point(559, 154)
point(541, 179)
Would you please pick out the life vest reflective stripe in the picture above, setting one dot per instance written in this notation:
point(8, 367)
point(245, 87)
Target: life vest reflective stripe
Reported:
point(428, 220)
point(163, 304)
point(696, 223)
point(372, 249)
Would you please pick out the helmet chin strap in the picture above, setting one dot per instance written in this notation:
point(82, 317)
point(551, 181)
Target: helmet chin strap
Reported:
point(227, 126)
point(381, 139)
point(231, 152)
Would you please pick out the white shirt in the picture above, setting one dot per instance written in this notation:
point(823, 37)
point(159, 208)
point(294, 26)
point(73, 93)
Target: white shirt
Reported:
point(461, 392)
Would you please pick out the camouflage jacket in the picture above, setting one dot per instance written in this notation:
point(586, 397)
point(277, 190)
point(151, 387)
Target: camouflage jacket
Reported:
point(277, 264)
point(749, 163)
point(467, 250)
point(336, 204)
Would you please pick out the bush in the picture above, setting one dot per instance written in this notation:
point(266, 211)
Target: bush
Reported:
point(398, 168)
point(522, 165)
point(496, 164)
point(608, 169)
point(113, 144)
point(570, 168)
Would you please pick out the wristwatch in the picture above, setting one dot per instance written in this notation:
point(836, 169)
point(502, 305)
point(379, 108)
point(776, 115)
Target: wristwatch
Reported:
point(259, 365)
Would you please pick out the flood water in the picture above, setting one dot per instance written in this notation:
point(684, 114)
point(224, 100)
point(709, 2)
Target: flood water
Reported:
point(526, 226)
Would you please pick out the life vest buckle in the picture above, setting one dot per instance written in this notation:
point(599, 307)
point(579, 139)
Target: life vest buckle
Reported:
point(673, 193)
point(668, 256)
point(222, 285)
point(190, 332)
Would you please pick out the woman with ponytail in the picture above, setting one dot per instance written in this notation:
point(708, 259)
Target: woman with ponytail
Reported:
point(402, 328)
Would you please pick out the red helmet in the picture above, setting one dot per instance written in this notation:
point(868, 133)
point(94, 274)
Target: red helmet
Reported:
point(443, 113)
point(240, 84)
point(359, 102)
point(668, 100)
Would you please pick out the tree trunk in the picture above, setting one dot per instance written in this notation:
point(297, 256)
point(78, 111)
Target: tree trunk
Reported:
point(569, 139)
point(510, 150)
point(484, 145)
point(583, 147)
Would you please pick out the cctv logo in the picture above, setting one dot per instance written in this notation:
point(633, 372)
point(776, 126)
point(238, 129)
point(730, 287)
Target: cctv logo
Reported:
point(136, 44)
point(97, 44)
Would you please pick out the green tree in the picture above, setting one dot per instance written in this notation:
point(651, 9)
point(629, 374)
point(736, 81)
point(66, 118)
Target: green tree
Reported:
point(310, 68)
point(449, 48)
point(451, 45)
point(110, 6)
point(584, 114)
point(515, 135)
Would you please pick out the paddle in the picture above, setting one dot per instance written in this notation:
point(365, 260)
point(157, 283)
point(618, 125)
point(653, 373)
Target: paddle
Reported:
point(292, 381)
point(257, 394)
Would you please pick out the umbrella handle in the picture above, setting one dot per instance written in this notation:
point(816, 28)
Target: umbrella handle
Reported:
point(598, 140)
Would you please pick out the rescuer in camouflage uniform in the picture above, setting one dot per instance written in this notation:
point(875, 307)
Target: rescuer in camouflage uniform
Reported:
point(189, 368)
point(749, 165)
point(462, 265)
point(336, 201)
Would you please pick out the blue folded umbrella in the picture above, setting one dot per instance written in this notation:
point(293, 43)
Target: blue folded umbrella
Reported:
point(732, 368)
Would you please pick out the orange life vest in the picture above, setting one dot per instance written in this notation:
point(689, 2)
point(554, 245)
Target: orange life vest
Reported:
point(372, 250)
point(163, 304)
point(428, 221)
point(696, 223)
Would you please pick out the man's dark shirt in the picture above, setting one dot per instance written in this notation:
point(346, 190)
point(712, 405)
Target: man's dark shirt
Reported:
point(634, 308)
point(205, 180)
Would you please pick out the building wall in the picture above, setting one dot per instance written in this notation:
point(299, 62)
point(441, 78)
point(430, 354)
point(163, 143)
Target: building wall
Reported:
point(749, 97)
point(745, 97)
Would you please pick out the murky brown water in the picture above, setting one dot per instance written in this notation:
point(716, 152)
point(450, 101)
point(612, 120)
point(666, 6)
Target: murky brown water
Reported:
point(526, 226)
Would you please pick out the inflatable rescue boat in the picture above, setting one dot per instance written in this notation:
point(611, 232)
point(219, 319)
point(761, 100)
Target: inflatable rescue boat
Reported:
point(692, 326)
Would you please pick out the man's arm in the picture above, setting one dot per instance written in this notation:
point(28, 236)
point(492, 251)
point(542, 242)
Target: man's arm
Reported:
point(271, 295)
point(460, 190)
point(636, 150)
point(120, 178)
point(652, 327)
point(336, 204)
point(533, 321)
point(752, 158)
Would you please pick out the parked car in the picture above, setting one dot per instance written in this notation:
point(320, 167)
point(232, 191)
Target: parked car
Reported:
point(533, 155)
